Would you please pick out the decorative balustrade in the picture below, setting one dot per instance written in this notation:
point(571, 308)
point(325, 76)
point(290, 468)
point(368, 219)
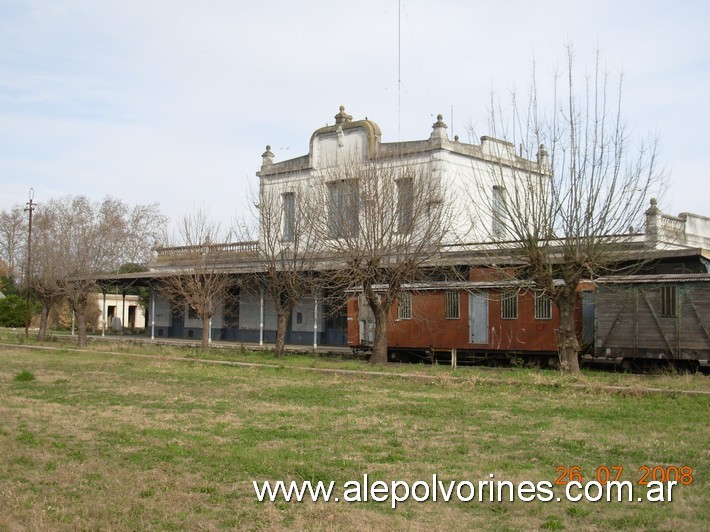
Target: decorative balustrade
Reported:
point(229, 247)
point(672, 229)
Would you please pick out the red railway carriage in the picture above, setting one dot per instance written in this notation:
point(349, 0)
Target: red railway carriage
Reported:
point(474, 321)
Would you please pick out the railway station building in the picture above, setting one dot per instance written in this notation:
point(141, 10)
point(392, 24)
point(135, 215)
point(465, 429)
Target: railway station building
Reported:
point(678, 244)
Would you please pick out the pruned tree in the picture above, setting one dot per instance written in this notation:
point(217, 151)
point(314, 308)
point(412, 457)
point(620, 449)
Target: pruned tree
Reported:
point(77, 239)
point(48, 279)
point(198, 278)
point(381, 224)
point(571, 215)
point(286, 251)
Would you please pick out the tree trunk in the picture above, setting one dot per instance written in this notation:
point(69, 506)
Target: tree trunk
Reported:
point(567, 340)
point(81, 326)
point(282, 325)
point(42, 335)
point(379, 346)
point(205, 334)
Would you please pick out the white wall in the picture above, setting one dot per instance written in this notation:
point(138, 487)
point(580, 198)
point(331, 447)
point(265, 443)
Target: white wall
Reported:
point(121, 311)
point(216, 317)
point(162, 315)
point(305, 308)
point(464, 171)
point(250, 310)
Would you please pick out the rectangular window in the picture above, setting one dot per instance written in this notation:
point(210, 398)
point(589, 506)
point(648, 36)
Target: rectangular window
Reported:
point(543, 306)
point(343, 208)
point(498, 208)
point(668, 301)
point(405, 205)
point(433, 213)
point(453, 308)
point(289, 215)
point(509, 305)
point(404, 306)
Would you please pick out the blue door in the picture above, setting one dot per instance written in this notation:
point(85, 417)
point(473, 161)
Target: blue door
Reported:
point(478, 317)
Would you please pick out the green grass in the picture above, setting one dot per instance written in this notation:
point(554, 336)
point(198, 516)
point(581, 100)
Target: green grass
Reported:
point(234, 353)
point(101, 441)
point(25, 376)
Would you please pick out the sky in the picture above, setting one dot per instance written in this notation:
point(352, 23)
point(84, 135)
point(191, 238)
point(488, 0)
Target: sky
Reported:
point(174, 101)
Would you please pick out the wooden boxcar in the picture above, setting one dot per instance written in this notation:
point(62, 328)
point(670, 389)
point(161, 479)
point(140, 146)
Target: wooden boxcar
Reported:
point(645, 318)
point(463, 322)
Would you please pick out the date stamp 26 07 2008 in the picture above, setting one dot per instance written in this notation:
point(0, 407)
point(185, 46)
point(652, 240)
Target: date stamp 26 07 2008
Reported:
point(603, 474)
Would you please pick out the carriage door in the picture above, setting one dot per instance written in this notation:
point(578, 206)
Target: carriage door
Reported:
point(478, 317)
point(366, 321)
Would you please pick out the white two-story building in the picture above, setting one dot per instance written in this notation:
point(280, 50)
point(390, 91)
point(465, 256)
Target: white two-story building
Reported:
point(456, 172)
point(473, 177)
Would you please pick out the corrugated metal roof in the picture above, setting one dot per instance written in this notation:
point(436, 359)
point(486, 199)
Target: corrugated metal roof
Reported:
point(659, 278)
point(457, 285)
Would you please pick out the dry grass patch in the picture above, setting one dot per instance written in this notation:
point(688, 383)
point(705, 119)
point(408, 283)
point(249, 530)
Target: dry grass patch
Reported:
point(115, 442)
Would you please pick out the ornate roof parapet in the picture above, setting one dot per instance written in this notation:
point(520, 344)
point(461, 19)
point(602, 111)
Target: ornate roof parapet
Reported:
point(664, 229)
point(343, 117)
point(501, 151)
point(267, 158)
point(438, 129)
point(364, 137)
point(652, 224)
point(653, 209)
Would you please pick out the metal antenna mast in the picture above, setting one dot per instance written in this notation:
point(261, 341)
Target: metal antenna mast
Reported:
point(399, 70)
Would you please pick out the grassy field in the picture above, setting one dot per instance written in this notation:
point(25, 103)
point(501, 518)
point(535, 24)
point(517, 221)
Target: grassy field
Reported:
point(92, 440)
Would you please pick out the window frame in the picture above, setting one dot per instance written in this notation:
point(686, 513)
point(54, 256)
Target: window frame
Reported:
point(404, 306)
point(509, 305)
point(668, 301)
point(452, 305)
point(288, 202)
point(405, 205)
point(498, 211)
point(343, 208)
point(542, 302)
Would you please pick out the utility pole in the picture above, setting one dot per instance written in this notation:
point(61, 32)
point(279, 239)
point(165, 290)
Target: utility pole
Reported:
point(29, 208)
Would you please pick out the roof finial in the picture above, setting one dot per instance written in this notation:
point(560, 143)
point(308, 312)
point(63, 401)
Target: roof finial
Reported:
point(653, 209)
point(342, 116)
point(438, 128)
point(543, 158)
point(267, 157)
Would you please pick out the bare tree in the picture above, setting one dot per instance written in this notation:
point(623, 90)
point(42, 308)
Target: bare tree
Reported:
point(199, 279)
point(570, 216)
point(77, 240)
point(286, 250)
point(13, 237)
point(131, 232)
point(48, 278)
point(381, 223)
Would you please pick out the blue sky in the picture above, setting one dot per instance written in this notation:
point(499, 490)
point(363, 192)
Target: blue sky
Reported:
point(174, 101)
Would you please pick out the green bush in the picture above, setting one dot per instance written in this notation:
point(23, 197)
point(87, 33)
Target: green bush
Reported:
point(8, 286)
point(12, 311)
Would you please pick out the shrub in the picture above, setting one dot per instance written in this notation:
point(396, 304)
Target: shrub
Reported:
point(12, 311)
